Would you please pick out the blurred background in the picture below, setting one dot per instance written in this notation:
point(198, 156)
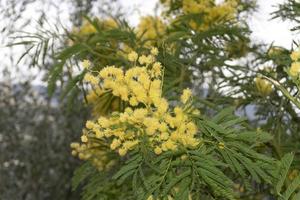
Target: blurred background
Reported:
point(36, 130)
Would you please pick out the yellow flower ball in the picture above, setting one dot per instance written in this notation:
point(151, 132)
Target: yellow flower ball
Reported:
point(186, 95)
point(84, 138)
point(157, 150)
point(295, 55)
point(263, 86)
point(86, 64)
point(295, 69)
point(132, 56)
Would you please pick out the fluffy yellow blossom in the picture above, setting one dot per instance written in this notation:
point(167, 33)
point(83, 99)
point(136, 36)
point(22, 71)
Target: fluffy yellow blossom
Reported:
point(212, 12)
point(91, 79)
point(146, 59)
point(221, 145)
point(169, 145)
point(86, 64)
point(193, 6)
point(162, 105)
point(98, 133)
point(133, 101)
point(186, 95)
point(74, 145)
point(150, 28)
point(149, 115)
point(295, 69)
point(89, 124)
point(122, 151)
point(164, 136)
point(109, 23)
point(84, 138)
point(263, 86)
point(154, 51)
point(293, 174)
point(128, 145)
point(157, 150)
point(132, 56)
point(90, 151)
point(115, 144)
point(295, 55)
point(157, 69)
point(103, 122)
point(191, 128)
point(86, 28)
point(139, 114)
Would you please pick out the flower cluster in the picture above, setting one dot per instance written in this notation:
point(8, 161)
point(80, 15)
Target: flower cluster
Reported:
point(263, 86)
point(213, 13)
point(295, 67)
point(88, 28)
point(148, 120)
point(150, 29)
point(92, 151)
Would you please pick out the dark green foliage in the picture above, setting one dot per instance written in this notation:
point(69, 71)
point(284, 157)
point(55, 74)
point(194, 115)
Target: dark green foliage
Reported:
point(35, 134)
point(209, 171)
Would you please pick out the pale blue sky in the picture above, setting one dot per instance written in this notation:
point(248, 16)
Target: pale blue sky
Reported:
point(263, 29)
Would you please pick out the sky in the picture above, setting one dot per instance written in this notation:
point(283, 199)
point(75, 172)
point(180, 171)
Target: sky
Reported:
point(264, 29)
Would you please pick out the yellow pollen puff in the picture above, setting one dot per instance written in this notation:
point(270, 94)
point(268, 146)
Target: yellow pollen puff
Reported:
point(133, 101)
point(74, 153)
point(156, 69)
point(130, 144)
point(164, 136)
point(115, 144)
point(263, 86)
point(164, 129)
point(154, 51)
point(150, 28)
point(132, 56)
point(146, 59)
point(186, 95)
point(75, 145)
point(122, 151)
point(139, 114)
point(98, 133)
point(89, 124)
point(91, 79)
point(162, 106)
point(295, 55)
point(103, 122)
point(169, 145)
point(157, 150)
point(221, 145)
point(191, 128)
point(86, 64)
point(295, 69)
point(84, 138)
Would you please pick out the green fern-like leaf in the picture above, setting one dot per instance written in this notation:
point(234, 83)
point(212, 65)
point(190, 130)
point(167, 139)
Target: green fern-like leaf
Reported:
point(286, 162)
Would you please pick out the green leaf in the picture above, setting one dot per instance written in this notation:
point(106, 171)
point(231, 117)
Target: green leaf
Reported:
point(71, 84)
point(81, 174)
point(223, 115)
point(183, 193)
point(296, 196)
point(54, 75)
point(71, 51)
point(286, 162)
point(292, 188)
point(174, 181)
point(127, 168)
